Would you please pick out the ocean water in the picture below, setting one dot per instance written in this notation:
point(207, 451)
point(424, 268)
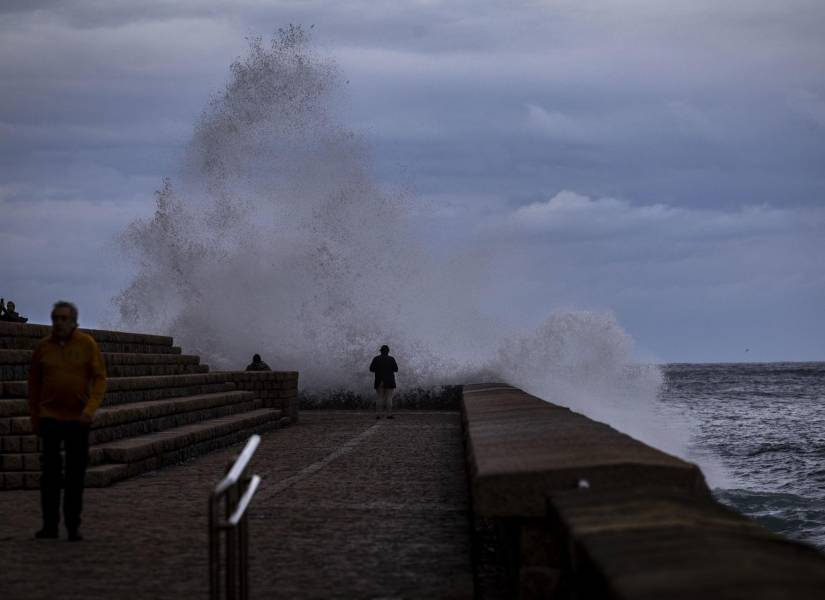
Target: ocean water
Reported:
point(764, 424)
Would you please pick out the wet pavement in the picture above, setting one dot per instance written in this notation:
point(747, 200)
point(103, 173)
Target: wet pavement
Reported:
point(349, 507)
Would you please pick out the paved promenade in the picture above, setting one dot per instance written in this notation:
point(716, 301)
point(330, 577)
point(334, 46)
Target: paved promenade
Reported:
point(349, 507)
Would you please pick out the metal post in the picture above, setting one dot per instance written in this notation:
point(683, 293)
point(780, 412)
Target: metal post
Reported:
point(235, 491)
point(243, 551)
point(231, 542)
point(214, 553)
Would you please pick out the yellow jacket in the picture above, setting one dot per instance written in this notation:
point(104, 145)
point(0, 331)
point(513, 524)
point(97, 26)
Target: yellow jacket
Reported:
point(66, 381)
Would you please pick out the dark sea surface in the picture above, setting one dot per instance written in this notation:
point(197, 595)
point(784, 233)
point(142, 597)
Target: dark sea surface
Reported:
point(764, 424)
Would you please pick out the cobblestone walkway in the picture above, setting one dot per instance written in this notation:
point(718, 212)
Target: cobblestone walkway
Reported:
point(350, 507)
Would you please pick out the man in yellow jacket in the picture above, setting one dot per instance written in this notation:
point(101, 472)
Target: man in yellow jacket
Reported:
point(67, 380)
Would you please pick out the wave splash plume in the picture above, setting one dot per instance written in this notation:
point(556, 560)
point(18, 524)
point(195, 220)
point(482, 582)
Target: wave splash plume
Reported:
point(273, 237)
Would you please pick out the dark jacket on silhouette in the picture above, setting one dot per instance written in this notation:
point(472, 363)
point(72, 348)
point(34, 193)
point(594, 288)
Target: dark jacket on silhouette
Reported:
point(258, 366)
point(385, 369)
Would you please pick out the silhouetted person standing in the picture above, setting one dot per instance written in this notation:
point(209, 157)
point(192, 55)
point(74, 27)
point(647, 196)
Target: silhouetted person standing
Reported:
point(257, 364)
point(67, 381)
point(385, 368)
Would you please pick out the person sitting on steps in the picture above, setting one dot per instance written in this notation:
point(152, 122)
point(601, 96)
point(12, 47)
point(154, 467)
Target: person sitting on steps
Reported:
point(257, 364)
point(385, 368)
point(8, 313)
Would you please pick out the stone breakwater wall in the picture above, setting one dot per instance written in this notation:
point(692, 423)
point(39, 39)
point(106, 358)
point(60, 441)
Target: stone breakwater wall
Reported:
point(278, 389)
point(447, 397)
point(567, 507)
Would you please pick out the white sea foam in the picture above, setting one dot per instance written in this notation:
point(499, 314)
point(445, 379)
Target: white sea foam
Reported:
point(274, 238)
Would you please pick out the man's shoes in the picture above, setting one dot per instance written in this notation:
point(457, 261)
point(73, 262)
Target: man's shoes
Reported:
point(47, 533)
point(74, 536)
point(390, 417)
point(377, 416)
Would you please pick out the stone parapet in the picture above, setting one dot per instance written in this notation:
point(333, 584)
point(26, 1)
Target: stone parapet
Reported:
point(651, 543)
point(575, 509)
point(522, 448)
point(446, 397)
point(278, 389)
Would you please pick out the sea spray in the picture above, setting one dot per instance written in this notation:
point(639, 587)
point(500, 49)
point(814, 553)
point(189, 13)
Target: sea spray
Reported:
point(274, 238)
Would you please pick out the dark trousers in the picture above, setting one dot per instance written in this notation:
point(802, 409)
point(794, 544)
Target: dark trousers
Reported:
point(75, 439)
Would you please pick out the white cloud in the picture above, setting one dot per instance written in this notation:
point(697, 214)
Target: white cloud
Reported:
point(666, 121)
point(575, 216)
point(557, 125)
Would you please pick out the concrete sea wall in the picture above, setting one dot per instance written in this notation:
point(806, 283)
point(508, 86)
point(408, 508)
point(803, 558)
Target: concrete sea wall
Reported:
point(566, 507)
point(447, 397)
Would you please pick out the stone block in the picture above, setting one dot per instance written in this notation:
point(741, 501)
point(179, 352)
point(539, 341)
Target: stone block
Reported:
point(13, 407)
point(11, 462)
point(10, 444)
point(21, 425)
point(105, 475)
point(15, 389)
point(15, 357)
point(29, 443)
point(13, 481)
point(31, 462)
point(31, 481)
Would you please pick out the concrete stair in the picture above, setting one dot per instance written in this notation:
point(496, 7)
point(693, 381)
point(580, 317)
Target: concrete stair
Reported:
point(15, 364)
point(161, 407)
point(23, 336)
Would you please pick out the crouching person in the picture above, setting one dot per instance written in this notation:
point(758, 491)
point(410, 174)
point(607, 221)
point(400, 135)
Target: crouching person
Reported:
point(67, 381)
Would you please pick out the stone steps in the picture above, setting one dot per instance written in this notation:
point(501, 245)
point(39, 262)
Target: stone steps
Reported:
point(137, 418)
point(133, 456)
point(23, 331)
point(145, 417)
point(10, 343)
point(161, 406)
point(121, 390)
point(14, 364)
point(30, 461)
point(125, 390)
point(158, 450)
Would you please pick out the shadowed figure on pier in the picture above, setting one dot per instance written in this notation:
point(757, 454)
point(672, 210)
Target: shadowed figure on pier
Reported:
point(257, 364)
point(385, 368)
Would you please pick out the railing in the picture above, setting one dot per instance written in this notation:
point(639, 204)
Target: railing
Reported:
point(233, 524)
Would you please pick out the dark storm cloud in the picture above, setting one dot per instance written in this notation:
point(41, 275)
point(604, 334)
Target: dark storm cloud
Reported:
point(708, 116)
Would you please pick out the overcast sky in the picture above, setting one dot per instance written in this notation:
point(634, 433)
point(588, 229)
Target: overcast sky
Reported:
point(662, 160)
